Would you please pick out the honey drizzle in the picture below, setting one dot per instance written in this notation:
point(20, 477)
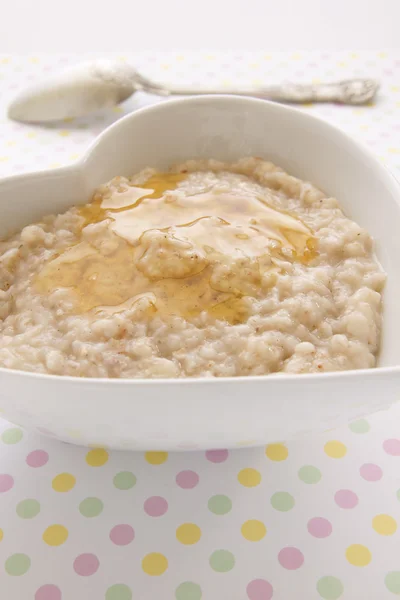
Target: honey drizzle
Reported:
point(213, 229)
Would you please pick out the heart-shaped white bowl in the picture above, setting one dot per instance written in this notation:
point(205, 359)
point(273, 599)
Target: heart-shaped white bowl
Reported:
point(214, 413)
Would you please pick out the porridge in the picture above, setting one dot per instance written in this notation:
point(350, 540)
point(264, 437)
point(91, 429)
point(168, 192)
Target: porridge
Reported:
point(208, 270)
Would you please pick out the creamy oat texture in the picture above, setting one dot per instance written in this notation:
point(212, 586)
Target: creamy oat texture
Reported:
point(211, 270)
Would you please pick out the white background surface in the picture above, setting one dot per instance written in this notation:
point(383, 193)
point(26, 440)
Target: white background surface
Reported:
point(132, 25)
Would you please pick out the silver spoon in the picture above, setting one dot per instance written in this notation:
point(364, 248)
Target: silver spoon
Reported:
point(88, 87)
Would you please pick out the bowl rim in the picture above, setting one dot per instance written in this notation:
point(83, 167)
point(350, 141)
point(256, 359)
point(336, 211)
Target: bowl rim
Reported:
point(80, 165)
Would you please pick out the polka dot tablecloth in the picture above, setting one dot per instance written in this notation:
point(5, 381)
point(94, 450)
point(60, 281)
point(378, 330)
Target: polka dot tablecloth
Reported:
point(301, 521)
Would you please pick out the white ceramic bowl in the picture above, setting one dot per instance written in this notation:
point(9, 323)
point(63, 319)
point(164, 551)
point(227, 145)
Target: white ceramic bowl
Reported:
point(199, 413)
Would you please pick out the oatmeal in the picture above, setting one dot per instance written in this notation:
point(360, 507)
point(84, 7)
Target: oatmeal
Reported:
point(209, 270)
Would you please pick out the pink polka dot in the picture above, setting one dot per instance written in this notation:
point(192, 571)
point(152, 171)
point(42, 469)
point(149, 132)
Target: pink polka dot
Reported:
point(346, 499)
point(290, 558)
point(122, 535)
point(259, 589)
point(217, 456)
point(392, 447)
point(155, 506)
point(371, 472)
point(319, 527)
point(86, 564)
point(187, 480)
point(6, 483)
point(48, 592)
point(37, 458)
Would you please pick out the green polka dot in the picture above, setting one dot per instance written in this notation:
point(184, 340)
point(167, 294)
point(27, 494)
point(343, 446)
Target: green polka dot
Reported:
point(222, 561)
point(220, 504)
point(392, 582)
point(360, 426)
point(398, 494)
point(309, 474)
point(188, 591)
point(12, 436)
point(17, 564)
point(119, 591)
point(125, 480)
point(27, 509)
point(282, 501)
point(91, 507)
point(329, 588)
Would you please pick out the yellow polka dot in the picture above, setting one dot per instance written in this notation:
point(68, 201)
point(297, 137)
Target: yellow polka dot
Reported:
point(253, 530)
point(156, 458)
point(55, 535)
point(342, 64)
point(384, 524)
point(296, 56)
point(226, 82)
point(267, 56)
point(31, 135)
point(154, 564)
point(254, 66)
point(55, 165)
point(64, 133)
point(64, 482)
point(97, 457)
point(5, 61)
point(316, 80)
point(165, 67)
point(180, 58)
point(249, 477)
point(358, 555)
point(353, 55)
point(210, 57)
point(395, 88)
point(276, 452)
point(68, 119)
point(118, 109)
point(394, 150)
point(11, 143)
point(335, 449)
point(122, 58)
point(1, 534)
point(34, 60)
point(382, 54)
point(4, 158)
point(188, 534)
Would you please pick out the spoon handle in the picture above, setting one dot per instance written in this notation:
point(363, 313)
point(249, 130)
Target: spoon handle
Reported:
point(351, 91)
